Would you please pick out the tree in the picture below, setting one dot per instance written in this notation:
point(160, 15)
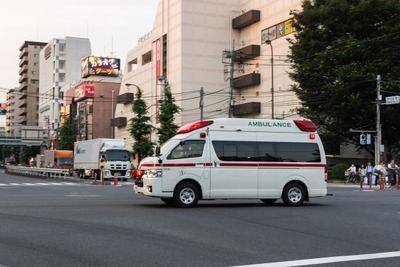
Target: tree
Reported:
point(339, 49)
point(29, 152)
point(139, 127)
point(168, 109)
point(66, 136)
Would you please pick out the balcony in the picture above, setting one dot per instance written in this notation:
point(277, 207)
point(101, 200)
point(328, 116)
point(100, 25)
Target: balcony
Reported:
point(22, 111)
point(118, 122)
point(24, 52)
point(23, 78)
point(22, 120)
point(24, 95)
point(247, 80)
point(23, 102)
point(247, 109)
point(23, 61)
point(23, 69)
point(246, 53)
point(125, 98)
point(23, 87)
point(246, 19)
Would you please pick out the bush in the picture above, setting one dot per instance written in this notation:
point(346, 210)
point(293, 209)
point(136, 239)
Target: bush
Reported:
point(338, 171)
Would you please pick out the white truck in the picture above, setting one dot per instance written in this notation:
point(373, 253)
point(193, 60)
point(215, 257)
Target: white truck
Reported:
point(107, 155)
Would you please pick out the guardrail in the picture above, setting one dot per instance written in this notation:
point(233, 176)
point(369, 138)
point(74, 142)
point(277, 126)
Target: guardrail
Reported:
point(41, 172)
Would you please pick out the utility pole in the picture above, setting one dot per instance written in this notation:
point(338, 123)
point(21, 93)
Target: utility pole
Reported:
point(232, 55)
point(201, 104)
point(231, 72)
point(378, 138)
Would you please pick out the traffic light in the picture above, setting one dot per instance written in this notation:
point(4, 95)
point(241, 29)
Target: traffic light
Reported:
point(363, 139)
point(102, 162)
point(3, 108)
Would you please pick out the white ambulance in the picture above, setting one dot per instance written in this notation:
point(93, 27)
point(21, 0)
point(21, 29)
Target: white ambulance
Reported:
point(231, 158)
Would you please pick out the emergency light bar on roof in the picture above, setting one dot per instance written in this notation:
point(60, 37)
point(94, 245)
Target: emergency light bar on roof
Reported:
point(305, 126)
point(251, 124)
point(193, 126)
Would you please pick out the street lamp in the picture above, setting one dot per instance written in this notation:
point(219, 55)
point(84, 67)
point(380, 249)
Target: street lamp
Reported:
point(268, 42)
point(112, 114)
point(131, 84)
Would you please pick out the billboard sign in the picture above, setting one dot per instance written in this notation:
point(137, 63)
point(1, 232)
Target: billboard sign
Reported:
point(84, 91)
point(100, 66)
point(277, 31)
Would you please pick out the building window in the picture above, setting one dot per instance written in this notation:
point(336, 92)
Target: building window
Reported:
point(132, 65)
point(146, 58)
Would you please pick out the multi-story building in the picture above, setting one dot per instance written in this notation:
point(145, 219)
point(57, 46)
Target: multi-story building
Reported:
point(60, 64)
point(28, 93)
point(13, 126)
point(90, 106)
point(220, 48)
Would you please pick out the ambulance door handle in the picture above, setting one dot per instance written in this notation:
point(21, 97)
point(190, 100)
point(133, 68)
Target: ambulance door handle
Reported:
point(215, 164)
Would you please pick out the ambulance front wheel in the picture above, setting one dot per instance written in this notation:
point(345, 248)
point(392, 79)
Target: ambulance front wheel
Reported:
point(186, 195)
point(294, 194)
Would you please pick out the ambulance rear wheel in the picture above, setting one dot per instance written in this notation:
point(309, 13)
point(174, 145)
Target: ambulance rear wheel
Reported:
point(294, 194)
point(186, 195)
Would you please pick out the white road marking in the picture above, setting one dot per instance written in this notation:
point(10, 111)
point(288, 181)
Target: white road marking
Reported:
point(36, 184)
point(328, 260)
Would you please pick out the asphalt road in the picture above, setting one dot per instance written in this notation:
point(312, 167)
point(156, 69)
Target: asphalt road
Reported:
point(63, 223)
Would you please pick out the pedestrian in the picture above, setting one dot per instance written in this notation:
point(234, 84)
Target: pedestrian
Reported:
point(392, 172)
point(378, 172)
point(369, 171)
point(362, 173)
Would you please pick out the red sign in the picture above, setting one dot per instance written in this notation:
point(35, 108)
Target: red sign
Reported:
point(158, 73)
point(84, 91)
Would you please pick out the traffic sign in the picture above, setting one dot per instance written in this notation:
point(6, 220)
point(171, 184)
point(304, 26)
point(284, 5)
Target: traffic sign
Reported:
point(392, 100)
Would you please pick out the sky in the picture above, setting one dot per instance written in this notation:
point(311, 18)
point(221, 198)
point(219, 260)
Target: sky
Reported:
point(113, 27)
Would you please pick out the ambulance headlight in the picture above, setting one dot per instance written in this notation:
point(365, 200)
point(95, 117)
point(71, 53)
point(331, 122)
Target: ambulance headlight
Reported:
point(154, 173)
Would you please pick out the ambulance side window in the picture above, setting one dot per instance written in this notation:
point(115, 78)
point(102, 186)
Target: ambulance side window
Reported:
point(187, 149)
point(235, 150)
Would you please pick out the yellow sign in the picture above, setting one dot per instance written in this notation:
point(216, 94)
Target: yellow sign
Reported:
point(289, 27)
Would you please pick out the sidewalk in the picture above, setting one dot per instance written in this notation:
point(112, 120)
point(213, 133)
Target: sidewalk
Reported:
point(357, 185)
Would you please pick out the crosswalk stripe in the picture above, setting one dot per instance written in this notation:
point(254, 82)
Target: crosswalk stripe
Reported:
point(36, 184)
point(59, 183)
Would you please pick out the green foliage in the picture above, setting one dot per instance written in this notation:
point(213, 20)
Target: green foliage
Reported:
point(66, 136)
point(168, 109)
point(338, 171)
point(139, 127)
point(29, 152)
point(340, 48)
